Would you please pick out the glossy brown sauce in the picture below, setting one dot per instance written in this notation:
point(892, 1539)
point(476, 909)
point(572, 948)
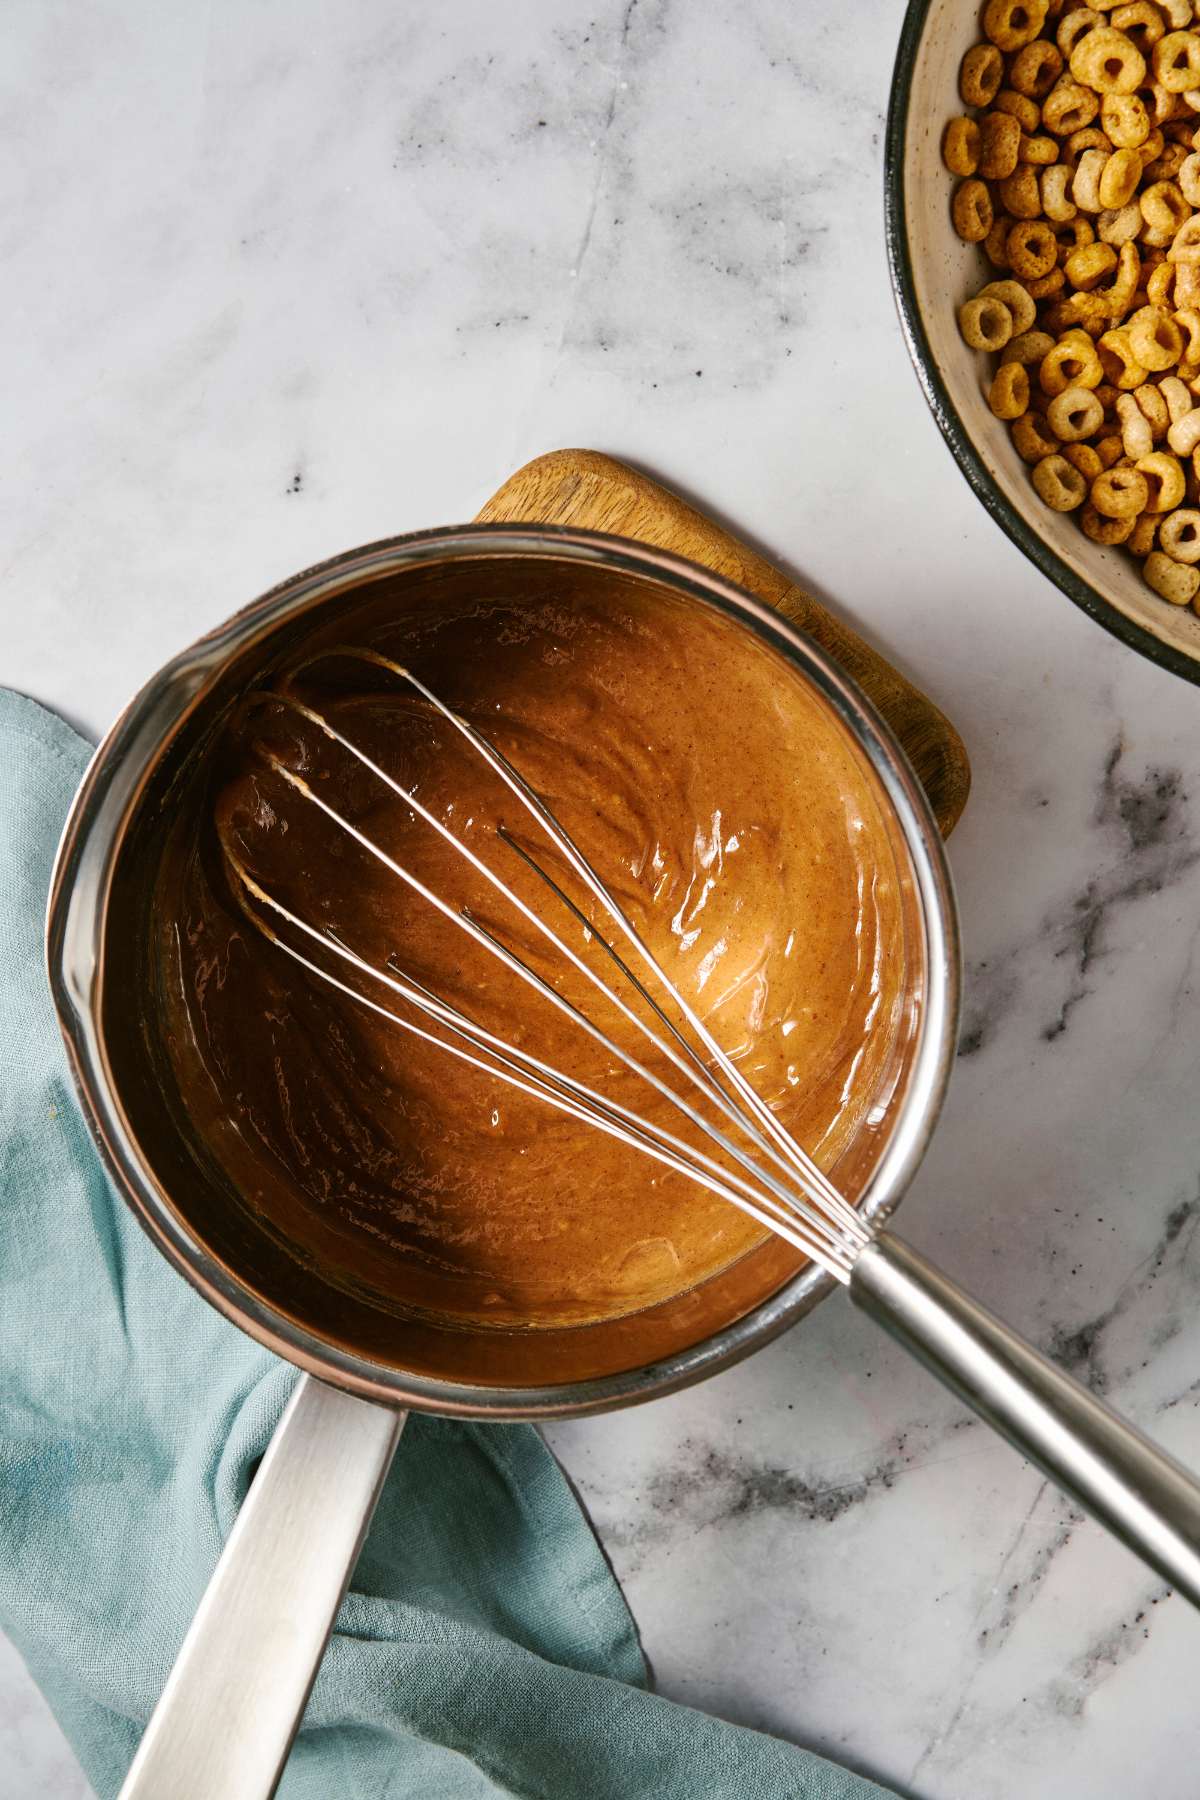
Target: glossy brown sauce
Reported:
point(707, 786)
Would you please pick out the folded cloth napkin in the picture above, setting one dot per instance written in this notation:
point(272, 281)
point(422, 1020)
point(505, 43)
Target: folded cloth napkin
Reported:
point(484, 1648)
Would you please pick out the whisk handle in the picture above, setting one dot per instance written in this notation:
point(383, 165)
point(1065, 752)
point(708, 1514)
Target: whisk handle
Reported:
point(1140, 1494)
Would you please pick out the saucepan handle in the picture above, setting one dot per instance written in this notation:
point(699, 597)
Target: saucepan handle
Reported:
point(227, 1716)
point(1145, 1498)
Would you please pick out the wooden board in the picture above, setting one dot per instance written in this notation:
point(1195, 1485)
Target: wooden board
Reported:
point(597, 493)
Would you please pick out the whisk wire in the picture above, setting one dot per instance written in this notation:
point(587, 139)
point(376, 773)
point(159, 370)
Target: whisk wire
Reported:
point(564, 843)
point(798, 1203)
point(520, 1070)
point(561, 839)
point(693, 1068)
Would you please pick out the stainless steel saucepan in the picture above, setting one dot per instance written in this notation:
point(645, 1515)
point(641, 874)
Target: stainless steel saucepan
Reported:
point(232, 1705)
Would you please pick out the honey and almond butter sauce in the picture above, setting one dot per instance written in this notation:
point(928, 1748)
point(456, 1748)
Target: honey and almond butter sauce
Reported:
point(707, 786)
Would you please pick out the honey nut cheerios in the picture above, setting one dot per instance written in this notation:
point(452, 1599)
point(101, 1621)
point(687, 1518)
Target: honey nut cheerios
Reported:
point(1059, 483)
point(1103, 530)
point(960, 146)
point(1120, 493)
point(1031, 441)
point(1075, 414)
point(1008, 395)
point(985, 322)
point(1179, 535)
point(972, 211)
point(980, 75)
point(1077, 166)
point(1140, 541)
point(1018, 300)
point(1108, 61)
point(1174, 581)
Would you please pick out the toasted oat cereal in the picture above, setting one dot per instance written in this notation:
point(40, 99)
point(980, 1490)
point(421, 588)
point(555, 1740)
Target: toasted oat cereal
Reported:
point(1078, 175)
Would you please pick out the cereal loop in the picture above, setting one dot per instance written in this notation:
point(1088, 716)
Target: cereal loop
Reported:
point(1118, 179)
point(1032, 248)
point(1055, 203)
point(1102, 530)
point(1164, 210)
point(1141, 22)
point(1017, 300)
point(1073, 362)
point(1171, 579)
point(1089, 137)
point(1062, 487)
point(1075, 25)
point(1045, 287)
point(1167, 166)
point(1177, 13)
point(1108, 62)
point(1164, 474)
point(1000, 142)
point(1026, 112)
point(980, 75)
point(1075, 413)
point(1188, 321)
point(1029, 439)
point(1136, 437)
point(1083, 458)
point(1085, 189)
point(960, 146)
point(1162, 104)
point(1074, 235)
point(1187, 286)
point(1086, 313)
point(1011, 24)
point(1178, 397)
point(1125, 121)
point(1038, 151)
point(1118, 361)
point(1019, 193)
point(1179, 535)
point(1087, 268)
point(1035, 69)
point(995, 244)
point(971, 211)
point(1028, 347)
point(1185, 245)
point(986, 324)
point(1159, 283)
point(1176, 61)
point(1184, 435)
point(1120, 296)
point(1156, 339)
point(1008, 395)
point(1141, 539)
point(1120, 493)
point(1153, 406)
point(1189, 178)
point(1069, 108)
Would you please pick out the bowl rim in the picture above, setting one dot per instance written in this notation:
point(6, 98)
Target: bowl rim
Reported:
point(937, 395)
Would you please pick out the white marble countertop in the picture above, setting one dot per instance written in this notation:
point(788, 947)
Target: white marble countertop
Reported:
point(283, 279)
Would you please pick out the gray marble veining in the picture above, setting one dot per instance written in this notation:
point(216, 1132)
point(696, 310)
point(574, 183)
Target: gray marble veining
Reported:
point(284, 279)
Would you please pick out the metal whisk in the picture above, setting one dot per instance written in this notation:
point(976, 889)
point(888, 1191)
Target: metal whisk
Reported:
point(1140, 1494)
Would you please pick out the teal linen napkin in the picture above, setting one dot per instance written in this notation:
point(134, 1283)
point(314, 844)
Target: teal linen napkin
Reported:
point(484, 1648)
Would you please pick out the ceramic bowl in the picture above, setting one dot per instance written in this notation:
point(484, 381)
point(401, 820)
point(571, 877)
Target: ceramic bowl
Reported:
point(933, 272)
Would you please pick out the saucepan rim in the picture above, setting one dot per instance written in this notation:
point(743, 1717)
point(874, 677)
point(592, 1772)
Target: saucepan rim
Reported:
point(87, 857)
